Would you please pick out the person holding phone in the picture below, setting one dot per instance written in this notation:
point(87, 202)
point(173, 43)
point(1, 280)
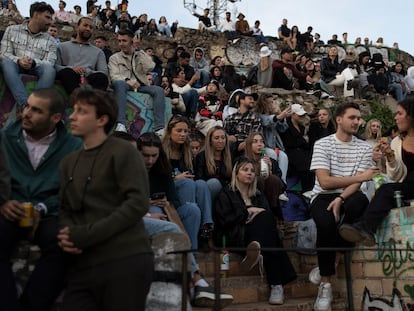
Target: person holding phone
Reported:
point(164, 196)
point(177, 148)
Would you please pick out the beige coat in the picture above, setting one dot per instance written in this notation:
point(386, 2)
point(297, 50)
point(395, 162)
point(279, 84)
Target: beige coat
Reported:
point(130, 66)
point(397, 170)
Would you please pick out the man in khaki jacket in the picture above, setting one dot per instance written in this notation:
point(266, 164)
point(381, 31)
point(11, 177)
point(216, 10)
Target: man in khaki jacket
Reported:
point(128, 72)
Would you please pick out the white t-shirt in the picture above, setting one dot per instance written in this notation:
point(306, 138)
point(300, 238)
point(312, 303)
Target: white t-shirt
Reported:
point(340, 158)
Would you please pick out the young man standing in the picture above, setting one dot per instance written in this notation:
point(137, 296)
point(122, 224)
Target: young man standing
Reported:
point(341, 163)
point(34, 147)
point(128, 72)
point(80, 62)
point(103, 203)
point(27, 48)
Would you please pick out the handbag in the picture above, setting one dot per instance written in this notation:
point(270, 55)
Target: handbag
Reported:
point(305, 238)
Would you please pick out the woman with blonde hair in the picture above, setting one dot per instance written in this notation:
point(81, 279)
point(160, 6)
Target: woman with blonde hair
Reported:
point(214, 164)
point(271, 185)
point(372, 132)
point(243, 217)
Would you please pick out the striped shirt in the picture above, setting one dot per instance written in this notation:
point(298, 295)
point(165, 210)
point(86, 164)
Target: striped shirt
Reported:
point(19, 42)
point(340, 158)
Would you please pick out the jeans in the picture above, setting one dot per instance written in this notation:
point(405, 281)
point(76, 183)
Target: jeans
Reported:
point(46, 78)
point(398, 90)
point(154, 226)
point(46, 280)
point(204, 79)
point(196, 191)
point(157, 93)
point(215, 186)
point(190, 99)
point(165, 29)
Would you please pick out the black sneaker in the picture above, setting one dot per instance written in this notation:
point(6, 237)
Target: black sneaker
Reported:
point(205, 237)
point(357, 233)
point(349, 85)
point(204, 297)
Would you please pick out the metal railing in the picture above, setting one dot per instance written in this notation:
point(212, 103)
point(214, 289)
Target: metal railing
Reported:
point(217, 284)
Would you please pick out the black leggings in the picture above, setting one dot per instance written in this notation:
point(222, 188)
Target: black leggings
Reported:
point(328, 235)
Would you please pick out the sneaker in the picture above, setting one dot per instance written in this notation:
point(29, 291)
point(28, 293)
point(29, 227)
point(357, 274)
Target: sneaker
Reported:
point(252, 257)
point(276, 295)
point(204, 297)
point(324, 299)
point(120, 128)
point(160, 132)
point(357, 233)
point(315, 276)
point(324, 95)
point(283, 197)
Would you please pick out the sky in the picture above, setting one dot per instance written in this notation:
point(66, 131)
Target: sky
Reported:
point(372, 19)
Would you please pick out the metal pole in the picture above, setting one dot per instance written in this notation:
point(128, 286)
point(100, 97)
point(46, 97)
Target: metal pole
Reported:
point(348, 275)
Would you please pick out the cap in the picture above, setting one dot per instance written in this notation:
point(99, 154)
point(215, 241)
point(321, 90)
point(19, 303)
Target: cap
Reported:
point(215, 82)
point(77, 6)
point(298, 109)
point(286, 50)
point(265, 51)
point(240, 14)
point(244, 94)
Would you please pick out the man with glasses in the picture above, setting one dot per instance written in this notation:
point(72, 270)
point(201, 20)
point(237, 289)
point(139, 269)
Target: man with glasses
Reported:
point(34, 147)
point(28, 49)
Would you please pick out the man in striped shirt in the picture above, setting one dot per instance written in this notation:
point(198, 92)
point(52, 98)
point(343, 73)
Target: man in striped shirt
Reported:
point(29, 49)
point(341, 163)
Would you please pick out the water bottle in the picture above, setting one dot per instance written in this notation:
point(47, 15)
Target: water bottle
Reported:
point(224, 259)
point(264, 167)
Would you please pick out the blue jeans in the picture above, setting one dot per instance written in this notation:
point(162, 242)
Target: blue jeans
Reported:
point(158, 101)
point(166, 30)
point(215, 186)
point(398, 90)
point(196, 191)
point(154, 226)
point(190, 99)
point(46, 78)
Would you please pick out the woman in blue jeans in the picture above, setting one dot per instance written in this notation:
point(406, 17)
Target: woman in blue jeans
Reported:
point(177, 148)
point(214, 163)
point(163, 195)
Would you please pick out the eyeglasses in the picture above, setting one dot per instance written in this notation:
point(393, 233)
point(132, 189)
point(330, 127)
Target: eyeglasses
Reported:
point(350, 53)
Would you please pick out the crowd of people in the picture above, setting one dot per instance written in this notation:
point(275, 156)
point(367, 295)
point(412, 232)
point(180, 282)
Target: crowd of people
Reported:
point(223, 161)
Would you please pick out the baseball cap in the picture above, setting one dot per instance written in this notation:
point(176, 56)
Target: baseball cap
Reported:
point(298, 109)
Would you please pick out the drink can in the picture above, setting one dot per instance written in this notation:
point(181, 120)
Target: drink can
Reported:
point(398, 198)
point(27, 220)
point(378, 180)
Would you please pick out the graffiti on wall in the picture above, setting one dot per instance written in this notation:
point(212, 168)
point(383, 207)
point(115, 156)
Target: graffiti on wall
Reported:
point(380, 304)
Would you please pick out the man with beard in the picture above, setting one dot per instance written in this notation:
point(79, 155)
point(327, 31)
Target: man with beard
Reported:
point(341, 163)
point(34, 147)
point(79, 62)
point(27, 48)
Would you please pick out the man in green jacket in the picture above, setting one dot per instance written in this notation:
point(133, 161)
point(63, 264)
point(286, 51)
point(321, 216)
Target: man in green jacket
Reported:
point(103, 203)
point(34, 147)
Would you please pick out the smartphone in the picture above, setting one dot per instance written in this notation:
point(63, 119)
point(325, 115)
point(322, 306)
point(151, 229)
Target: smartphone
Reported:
point(157, 195)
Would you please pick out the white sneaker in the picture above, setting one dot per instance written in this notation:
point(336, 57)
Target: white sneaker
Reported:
point(283, 197)
point(324, 299)
point(276, 295)
point(315, 276)
point(324, 95)
point(160, 132)
point(120, 128)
